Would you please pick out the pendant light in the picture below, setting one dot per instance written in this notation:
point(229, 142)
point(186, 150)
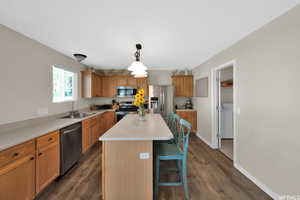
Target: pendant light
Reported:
point(137, 68)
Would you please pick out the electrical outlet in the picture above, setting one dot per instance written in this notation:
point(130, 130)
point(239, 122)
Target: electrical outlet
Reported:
point(144, 156)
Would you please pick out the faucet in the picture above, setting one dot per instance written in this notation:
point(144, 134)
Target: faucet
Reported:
point(72, 112)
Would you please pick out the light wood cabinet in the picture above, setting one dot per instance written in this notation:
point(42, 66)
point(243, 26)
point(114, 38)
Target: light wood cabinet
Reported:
point(48, 160)
point(109, 120)
point(142, 83)
point(17, 176)
point(131, 81)
point(94, 130)
point(86, 135)
point(121, 81)
point(190, 116)
point(184, 85)
point(94, 85)
point(91, 85)
point(109, 86)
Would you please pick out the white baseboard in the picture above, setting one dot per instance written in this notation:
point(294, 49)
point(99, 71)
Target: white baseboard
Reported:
point(204, 140)
point(257, 182)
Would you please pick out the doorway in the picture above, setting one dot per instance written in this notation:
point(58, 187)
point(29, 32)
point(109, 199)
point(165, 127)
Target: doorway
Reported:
point(223, 109)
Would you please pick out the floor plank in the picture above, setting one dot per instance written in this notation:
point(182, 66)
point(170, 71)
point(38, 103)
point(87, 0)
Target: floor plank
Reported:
point(211, 177)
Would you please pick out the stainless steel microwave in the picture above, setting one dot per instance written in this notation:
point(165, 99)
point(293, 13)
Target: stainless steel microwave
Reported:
point(126, 91)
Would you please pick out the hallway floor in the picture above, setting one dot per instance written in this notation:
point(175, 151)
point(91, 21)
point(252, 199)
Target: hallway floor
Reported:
point(211, 177)
point(227, 147)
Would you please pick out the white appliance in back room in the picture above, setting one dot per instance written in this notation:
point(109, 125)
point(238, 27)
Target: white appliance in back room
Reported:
point(161, 99)
point(227, 121)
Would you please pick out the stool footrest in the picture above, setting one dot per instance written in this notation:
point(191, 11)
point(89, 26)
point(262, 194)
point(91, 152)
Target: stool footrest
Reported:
point(170, 184)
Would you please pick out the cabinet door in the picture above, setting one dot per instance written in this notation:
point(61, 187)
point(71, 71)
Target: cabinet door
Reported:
point(47, 165)
point(191, 117)
point(99, 86)
point(131, 81)
point(142, 83)
point(109, 86)
point(17, 179)
point(188, 86)
point(121, 81)
point(101, 125)
point(86, 135)
point(94, 85)
point(94, 134)
point(178, 82)
point(111, 118)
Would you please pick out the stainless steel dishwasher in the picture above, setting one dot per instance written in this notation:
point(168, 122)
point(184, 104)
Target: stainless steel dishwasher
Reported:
point(70, 146)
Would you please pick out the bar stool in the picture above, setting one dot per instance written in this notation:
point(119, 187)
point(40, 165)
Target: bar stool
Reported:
point(173, 123)
point(174, 151)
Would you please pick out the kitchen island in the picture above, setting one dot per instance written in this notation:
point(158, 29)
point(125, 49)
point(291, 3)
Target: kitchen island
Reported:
point(127, 157)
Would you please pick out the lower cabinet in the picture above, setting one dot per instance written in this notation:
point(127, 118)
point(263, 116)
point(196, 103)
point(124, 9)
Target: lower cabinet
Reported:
point(109, 119)
point(94, 130)
point(190, 116)
point(17, 177)
point(48, 160)
point(86, 135)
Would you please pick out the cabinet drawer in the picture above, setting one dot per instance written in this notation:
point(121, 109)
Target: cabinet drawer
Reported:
point(9, 155)
point(47, 139)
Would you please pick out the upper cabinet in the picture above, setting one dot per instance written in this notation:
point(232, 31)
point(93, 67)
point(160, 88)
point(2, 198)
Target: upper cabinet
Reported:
point(109, 86)
point(91, 85)
point(183, 85)
point(142, 83)
point(94, 85)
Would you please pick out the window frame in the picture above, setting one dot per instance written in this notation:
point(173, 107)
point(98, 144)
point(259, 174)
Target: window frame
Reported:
point(62, 98)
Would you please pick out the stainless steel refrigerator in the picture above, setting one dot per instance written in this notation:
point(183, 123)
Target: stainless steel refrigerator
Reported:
point(161, 99)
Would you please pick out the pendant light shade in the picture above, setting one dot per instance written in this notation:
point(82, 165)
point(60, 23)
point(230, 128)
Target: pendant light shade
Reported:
point(137, 65)
point(137, 68)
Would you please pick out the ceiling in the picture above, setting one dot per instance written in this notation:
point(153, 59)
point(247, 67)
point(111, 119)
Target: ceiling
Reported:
point(174, 34)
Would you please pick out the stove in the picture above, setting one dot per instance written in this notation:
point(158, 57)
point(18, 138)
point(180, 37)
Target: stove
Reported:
point(125, 108)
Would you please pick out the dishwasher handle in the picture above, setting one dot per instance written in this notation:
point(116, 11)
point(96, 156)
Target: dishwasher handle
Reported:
point(71, 130)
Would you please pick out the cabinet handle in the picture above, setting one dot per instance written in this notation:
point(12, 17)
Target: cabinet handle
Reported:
point(40, 153)
point(50, 139)
point(15, 154)
point(32, 158)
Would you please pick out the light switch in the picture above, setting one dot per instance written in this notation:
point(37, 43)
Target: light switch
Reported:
point(144, 156)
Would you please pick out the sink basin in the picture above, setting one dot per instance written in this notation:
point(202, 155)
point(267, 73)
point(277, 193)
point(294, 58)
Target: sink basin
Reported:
point(77, 115)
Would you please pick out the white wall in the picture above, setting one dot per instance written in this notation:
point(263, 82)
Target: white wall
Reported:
point(160, 77)
point(267, 82)
point(26, 77)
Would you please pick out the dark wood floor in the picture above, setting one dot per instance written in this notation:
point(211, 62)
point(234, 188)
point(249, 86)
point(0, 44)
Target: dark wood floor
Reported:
point(211, 177)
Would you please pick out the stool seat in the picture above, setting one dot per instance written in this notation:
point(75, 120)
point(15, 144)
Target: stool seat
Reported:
point(168, 149)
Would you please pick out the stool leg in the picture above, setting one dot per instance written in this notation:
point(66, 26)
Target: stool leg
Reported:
point(184, 179)
point(156, 179)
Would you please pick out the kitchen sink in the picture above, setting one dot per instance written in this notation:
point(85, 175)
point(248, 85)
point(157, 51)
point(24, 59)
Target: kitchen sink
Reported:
point(77, 115)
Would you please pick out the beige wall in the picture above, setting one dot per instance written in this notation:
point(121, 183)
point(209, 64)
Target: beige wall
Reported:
point(26, 78)
point(267, 81)
point(160, 77)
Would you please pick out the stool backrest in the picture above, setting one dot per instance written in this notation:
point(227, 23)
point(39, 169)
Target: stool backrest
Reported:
point(173, 123)
point(183, 138)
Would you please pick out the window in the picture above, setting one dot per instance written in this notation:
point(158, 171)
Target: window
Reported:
point(63, 85)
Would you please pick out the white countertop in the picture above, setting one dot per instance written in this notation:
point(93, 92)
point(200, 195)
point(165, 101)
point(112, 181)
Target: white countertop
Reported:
point(130, 128)
point(17, 136)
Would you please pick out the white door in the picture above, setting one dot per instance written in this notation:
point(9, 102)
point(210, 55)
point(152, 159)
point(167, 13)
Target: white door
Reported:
point(219, 108)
